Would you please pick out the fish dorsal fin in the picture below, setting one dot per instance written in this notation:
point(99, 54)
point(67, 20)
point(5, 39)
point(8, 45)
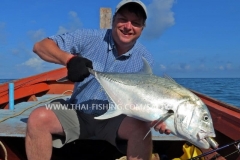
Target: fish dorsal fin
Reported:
point(146, 67)
point(169, 78)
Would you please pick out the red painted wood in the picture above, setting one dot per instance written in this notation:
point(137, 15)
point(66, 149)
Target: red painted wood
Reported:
point(25, 92)
point(44, 77)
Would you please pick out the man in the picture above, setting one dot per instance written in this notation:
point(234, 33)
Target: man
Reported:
point(112, 50)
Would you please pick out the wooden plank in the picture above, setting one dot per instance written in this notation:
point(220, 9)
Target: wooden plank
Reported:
point(13, 123)
point(25, 92)
point(105, 18)
point(43, 77)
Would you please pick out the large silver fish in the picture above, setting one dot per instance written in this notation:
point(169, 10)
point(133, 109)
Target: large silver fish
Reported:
point(148, 97)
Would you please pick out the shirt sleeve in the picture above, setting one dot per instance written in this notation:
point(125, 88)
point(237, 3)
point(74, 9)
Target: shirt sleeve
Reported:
point(72, 42)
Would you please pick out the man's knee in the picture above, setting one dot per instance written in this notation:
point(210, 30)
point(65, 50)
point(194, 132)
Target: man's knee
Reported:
point(39, 117)
point(44, 120)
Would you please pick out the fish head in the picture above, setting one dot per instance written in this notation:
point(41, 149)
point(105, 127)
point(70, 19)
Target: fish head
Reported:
point(194, 123)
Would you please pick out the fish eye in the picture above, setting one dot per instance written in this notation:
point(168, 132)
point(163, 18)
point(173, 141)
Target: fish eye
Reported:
point(205, 117)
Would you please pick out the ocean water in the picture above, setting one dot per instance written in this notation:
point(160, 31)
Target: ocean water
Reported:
point(226, 90)
point(5, 80)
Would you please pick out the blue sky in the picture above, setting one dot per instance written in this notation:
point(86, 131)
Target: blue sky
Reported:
point(188, 38)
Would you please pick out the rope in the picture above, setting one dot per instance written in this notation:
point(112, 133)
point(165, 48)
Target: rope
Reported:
point(67, 91)
point(21, 112)
point(4, 149)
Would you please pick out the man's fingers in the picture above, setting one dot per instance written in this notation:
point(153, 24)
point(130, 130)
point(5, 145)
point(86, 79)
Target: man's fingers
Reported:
point(167, 131)
point(161, 128)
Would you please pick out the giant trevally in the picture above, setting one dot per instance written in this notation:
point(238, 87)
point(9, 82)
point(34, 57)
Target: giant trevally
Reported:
point(148, 97)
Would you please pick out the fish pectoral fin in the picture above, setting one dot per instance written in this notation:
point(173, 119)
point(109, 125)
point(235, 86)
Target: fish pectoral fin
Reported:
point(109, 114)
point(162, 118)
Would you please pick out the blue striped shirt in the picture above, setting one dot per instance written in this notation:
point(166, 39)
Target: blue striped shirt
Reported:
point(98, 46)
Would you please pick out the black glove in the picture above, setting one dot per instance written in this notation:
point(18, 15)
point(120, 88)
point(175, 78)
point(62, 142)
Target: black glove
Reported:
point(77, 68)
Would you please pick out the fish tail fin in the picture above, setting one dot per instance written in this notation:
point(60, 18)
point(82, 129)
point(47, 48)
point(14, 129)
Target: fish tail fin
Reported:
point(92, 71)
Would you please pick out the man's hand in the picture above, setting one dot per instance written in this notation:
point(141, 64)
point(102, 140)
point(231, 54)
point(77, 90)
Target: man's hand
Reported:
point(78, 68)
point(161, 127)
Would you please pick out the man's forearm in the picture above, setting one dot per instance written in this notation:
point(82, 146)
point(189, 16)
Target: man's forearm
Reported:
point(48, 50)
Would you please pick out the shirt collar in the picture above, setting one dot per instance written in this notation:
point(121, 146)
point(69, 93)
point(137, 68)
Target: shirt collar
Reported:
point(110, 42)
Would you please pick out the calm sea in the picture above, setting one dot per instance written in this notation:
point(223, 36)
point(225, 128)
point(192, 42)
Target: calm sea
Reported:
point(224, 89)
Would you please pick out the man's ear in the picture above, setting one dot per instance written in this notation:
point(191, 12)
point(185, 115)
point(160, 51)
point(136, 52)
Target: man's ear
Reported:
point(113, 19)
point(144, 25)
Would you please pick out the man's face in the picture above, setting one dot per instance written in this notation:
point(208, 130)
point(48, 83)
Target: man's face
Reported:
point(127, 28)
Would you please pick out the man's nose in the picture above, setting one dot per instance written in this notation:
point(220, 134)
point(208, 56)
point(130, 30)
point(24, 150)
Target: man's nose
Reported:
point(128, 24)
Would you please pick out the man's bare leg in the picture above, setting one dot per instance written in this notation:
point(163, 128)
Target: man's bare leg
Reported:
point(134, 131)
point(42, 123)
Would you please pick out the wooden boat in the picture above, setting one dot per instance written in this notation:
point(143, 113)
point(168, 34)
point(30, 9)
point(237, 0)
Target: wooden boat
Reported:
point(35, 91)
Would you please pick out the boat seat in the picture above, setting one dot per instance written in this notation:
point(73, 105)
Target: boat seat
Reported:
point(13, 122)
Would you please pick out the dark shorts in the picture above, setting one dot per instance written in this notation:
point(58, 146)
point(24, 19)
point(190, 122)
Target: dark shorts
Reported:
point(78, 125)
